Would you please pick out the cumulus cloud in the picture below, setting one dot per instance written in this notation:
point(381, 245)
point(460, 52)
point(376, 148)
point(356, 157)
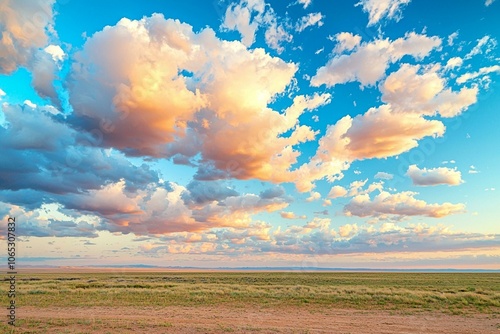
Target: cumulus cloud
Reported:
point(248, 16)
point(337, 191)
point(482, 72)
point(24, 25)
point(309, 20)
point(360, 137)
point(239, 17)
point(410, 91)
point(291, 215)
point(434, 176)
point(51, 157)
point(453, 62)
point(346, 41)
point(314, 196)
point(37, 223)
point(399, 204)
point(202, 192)
point(383, 9)
point(348, 230)
point(44, 66)
point(179, 93)
point(368, 62)
point(384, 176)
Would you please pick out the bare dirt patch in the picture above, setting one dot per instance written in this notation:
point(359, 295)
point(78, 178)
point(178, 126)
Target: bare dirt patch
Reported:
point(177, 319)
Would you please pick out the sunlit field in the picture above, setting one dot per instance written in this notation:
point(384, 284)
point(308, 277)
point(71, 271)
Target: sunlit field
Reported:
point(458, 294)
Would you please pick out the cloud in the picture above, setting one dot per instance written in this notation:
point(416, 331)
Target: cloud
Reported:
point(44, 68)
point(53, 158)
point(473, 170)
point(314, 196)
point(482, 72)
point(452, 37)
point(453, 62)
point(368, 62)
point(239, 17)
point(304, 3)
point(38, 223)
point(383, 9)
point(399, 204)
point(435, 176)
point(488, 2)
point(487, 41)
point(203, 192)
point(384, 176)
point(360, 137)
point(248, 16)
point(337, 191)
point(291, 215)
point(348, 230)
point(212, 89)
point(309, 20)
point(24, 25)
point(410, 91)
point(276, 35)
point(346, 41)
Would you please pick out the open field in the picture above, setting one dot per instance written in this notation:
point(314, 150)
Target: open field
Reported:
point(255, 302)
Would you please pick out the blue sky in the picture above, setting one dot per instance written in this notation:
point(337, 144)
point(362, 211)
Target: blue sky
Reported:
point(251, 133)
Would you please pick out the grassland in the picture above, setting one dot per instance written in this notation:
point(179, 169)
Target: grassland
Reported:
point(455, 292)
point(410, 293)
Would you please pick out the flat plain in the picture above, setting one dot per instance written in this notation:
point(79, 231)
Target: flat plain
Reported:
point(140, 301)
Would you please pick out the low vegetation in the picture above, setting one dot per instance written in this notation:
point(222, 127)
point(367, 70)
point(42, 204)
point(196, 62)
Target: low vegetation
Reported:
point(457, 293)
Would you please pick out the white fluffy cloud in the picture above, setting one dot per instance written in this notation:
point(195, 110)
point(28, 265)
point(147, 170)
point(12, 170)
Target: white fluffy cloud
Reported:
point(310, 20)
point(410, 91)
point(346, 41)
point(291, 215)
point(482, 72)
point(383, 9)
point(239, 17)
point(384, 176)
point(24, 25)
point(174, 92)
point(337, 191)
point(368, 62)
point(248, 16)
point(399, 204)
point(453, 62)
point(434, 176)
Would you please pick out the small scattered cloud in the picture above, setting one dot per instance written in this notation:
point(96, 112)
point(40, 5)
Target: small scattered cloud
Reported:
point(473, 170)
point(337, 191)
point(379, 10)
point(434, 176)
point(314, 196)
point(453, 62)
point(384, 176)
point(482, 72)
point(291, 215)
point(368, 61)
point(484, 46)
point(309, 20)
point(488, 2)
point(452, 37)
point(402, 204)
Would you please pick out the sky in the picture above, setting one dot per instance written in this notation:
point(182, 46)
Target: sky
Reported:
point(252, 133)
